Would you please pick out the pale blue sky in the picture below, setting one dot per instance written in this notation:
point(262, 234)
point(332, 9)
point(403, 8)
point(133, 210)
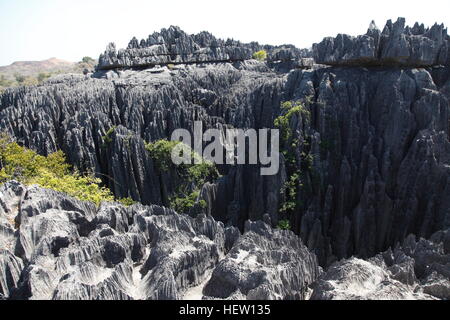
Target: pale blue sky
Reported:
point(70, 29)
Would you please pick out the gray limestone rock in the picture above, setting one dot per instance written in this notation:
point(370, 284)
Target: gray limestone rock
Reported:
point(377, 137)
point(264, 264)
point(415, 270)
point(66, 249)
point(10, 270)
point(396, 45)
point(356, 279)
point(174, 46)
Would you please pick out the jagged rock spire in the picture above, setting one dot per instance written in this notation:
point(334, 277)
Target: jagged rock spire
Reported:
point(174, 46)
point(373, 26)
point(397, 45)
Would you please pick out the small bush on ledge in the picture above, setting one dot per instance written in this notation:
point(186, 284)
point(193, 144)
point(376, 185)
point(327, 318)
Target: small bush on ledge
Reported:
point(161, 153)
point(192, 176)
point(185, 204)
point(260, 55)
point(284, 225)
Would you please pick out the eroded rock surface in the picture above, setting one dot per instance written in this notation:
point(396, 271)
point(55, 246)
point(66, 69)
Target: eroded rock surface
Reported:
point(65, 249)
point(375, 130)
point(265, 264)
point(378, 139)
point(417, 270)
point(173, 46)
point(396, 45)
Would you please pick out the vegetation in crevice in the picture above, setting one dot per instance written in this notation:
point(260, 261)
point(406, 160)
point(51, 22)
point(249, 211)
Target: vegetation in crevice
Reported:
point(295, 149)
point(51, 172)
point(107, 138)
point(192, 176)
point(185, 203)
point(284, 225)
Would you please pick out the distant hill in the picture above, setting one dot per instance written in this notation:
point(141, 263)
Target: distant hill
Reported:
point(29, 68)
point(34, 72)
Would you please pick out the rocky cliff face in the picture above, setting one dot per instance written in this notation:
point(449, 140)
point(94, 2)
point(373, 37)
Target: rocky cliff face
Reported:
point(174, 46)
point(60, 248)
point(377, 136)
point(396, 45)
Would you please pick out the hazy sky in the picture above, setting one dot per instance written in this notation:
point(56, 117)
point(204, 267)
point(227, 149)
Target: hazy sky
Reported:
point(71, 29)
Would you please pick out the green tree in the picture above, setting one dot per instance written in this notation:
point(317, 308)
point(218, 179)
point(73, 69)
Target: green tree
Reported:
point(192, 176)
point(185, 204)
point(198, 172)
point(260, 55)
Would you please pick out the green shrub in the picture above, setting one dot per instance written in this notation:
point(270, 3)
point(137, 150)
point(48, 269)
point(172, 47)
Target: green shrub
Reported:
point(193, 175)
point(260, 55)
point(284, 225)
point(290, 189)
point(4, 176)
point(161, 153)
point(201, 173)
point(126, 202)
point(185, 204)
point(283, 122)
point(107, 138)
point(51, 172)
point(297, 164)
point(84, 188)
point(307, 161)
point(23, 164)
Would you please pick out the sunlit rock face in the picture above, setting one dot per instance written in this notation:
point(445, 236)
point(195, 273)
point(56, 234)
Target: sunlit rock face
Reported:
point(417, 270)
point(65, 249)
point(397, 45)
point(377, 136)
point(264, 264)
point(174, 46)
